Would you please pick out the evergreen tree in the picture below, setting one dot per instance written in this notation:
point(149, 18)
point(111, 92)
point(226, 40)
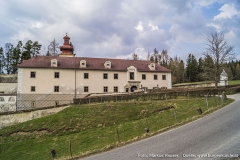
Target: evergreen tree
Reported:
point(73, 47)
point(30, 50)
point(155, 55)
point(27, 50)
point(200, 69)
point(35, 49)
point(16, 58)
point(8, 57)
point(181, 72)
point(192, 68)
point(208, 67)
point(1, 60)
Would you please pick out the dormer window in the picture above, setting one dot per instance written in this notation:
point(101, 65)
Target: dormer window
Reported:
point(107, 64)
point(83, 64)
point(151, 66)
point(53, 63)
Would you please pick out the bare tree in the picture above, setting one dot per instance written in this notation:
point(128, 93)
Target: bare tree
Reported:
point(220, 51)
point(163, 58)
point(53, 48)
point(135, 56)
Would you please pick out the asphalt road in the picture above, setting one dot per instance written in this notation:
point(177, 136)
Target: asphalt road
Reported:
point(215, 135)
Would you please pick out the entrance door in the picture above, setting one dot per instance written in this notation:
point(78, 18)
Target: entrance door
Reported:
point(133, 88)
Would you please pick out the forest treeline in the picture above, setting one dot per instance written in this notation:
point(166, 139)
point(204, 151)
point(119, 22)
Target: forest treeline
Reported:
point(11, 56)
point(192, 69)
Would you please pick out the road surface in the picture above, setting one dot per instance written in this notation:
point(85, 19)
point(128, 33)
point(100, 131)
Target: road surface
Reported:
point(213, 136)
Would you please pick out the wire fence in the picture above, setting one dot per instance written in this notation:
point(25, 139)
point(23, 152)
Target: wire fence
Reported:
point(43, 101)
point(157, 94)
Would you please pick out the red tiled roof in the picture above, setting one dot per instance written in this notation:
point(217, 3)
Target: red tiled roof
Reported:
point(92, 63)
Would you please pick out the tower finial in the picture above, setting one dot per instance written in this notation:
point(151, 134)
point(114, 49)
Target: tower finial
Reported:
point(66, 33)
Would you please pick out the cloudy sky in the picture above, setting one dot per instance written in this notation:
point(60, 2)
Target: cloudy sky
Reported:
point(118, 28)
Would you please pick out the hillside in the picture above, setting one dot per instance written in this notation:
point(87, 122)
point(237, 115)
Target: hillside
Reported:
point(87, 129)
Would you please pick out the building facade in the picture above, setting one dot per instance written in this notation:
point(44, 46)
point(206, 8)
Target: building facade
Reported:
point(67, 74)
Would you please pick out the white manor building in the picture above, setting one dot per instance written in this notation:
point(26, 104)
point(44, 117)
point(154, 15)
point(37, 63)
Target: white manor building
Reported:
point(67, 74)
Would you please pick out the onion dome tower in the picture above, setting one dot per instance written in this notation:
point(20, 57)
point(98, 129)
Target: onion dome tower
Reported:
point(67, 49)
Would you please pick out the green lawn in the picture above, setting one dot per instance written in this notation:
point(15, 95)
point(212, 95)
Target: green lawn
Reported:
point(87, 129)
point(232, 82)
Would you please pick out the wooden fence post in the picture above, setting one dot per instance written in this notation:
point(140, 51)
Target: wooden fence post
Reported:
point(70, 147)
point(118, 135)
point(175, 116)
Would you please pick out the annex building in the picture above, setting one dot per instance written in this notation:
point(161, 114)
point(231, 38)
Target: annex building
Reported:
point(67, 74)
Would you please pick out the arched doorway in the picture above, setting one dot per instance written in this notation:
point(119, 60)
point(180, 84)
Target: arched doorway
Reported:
point(133, 88)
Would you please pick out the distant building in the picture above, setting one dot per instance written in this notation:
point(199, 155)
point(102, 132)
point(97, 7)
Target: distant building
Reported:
point(223, 78)
point(67, 74)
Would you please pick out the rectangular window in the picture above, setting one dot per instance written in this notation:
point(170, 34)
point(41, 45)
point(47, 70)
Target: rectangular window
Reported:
point(115, 89)
point(56, 74)
point(33, 88)
point(132, 75)
point(32, 74)
point(105, 89)
point(85, 88)
point(163, 77)
point(33, 104)
point(85, 75)
point(143, 76)
point(115, 76)
point(105, 76)
point(155, 77)
point(56, 103)
point(56, 88)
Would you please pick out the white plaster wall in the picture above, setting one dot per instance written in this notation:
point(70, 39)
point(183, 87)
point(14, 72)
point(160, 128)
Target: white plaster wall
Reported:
point(8, 88)
point(45, 81)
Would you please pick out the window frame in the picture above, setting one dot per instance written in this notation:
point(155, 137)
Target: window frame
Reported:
point(56, 88)
point(164, 77)
point(33, 89)
point(144, 77)
point(105, 89)
point(131, 75)
point(115, 76)
point(86, 89)
point(155, 77)
point(115, 89)
point(86, 75)
point(105, 76)
point(32, 74)
point(56, 75)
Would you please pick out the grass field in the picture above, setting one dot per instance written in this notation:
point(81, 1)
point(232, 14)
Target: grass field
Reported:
point(87, 129)
point(232, 82)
